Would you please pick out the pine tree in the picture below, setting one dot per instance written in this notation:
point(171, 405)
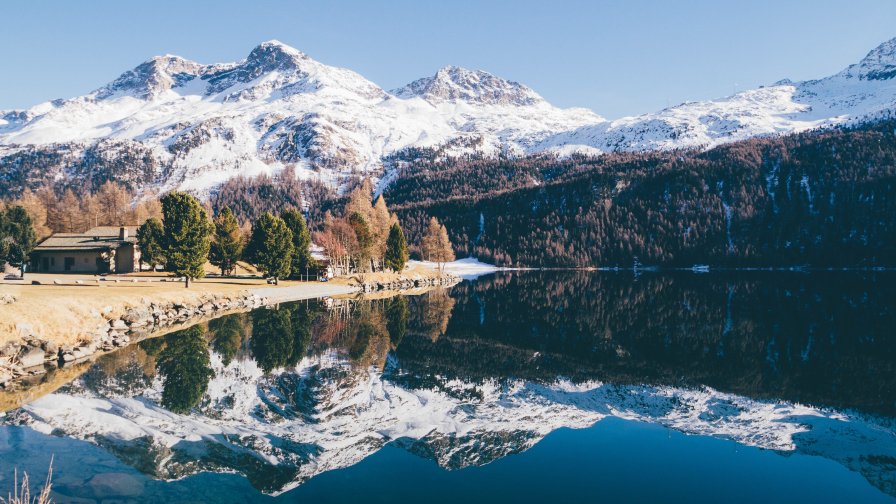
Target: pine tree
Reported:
point(227, 247)
point(187, 235)
point(396, 249)
point(18, 233)
point(150, 236)
point(4, 242)
point(301, 242)
point(436, 245)
point(270, 248)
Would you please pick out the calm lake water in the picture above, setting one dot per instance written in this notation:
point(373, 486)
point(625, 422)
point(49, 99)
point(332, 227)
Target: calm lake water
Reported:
point(513, 387)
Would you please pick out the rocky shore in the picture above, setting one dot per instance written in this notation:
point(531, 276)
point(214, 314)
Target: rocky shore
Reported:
point(35, 355)
point(407, 283)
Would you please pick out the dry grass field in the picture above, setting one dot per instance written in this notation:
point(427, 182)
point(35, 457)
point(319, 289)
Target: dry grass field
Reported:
point(64, 308)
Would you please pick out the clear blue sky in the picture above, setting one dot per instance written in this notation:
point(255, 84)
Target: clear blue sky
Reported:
point(618, 58)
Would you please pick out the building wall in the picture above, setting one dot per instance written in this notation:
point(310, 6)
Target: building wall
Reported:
point(126, 259)
point(84, 262)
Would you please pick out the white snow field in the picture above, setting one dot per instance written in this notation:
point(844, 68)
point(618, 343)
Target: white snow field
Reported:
point(203, 124)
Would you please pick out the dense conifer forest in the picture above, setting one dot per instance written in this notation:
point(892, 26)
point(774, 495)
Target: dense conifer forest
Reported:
point(821, 198)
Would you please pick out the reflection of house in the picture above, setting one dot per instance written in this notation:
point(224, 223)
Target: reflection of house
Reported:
point(103, 249)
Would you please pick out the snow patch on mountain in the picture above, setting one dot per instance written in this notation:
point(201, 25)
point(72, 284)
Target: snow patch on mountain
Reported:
point(206, 123)
point(456, 84)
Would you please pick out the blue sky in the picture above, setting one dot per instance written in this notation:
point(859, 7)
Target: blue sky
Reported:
point(617, 58)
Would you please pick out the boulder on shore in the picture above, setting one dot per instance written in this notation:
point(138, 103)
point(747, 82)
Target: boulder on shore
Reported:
point(31, 356)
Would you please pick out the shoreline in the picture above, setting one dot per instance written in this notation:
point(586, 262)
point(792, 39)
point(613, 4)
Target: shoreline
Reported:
point(30, 353)
point(94, 317)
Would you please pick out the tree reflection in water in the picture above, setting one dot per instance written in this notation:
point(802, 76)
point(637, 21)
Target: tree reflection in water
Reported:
point(228, 335)
point(818, 339)
point(335, 374)
point(397, 318)
point(280, 336)
point(186, 369)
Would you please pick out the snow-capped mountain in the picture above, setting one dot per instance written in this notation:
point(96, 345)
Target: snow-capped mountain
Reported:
point(454, 84)
point(863, 91)
point(283, 429)
point(182, 124)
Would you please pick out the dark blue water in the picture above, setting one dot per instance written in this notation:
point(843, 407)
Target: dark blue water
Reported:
point(680, 388)
point(613, 461)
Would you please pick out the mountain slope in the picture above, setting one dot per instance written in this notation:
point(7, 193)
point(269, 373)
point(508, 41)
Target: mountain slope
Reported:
point(818, 198)
point(865, 90)
point(206, 123)
point(203, 124)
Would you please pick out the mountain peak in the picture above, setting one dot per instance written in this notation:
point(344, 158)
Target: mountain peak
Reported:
point(153, 76)
point(275, 55)
point(457, 84)
point(879, 64)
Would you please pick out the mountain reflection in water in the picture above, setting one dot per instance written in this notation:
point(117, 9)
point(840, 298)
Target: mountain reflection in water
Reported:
point(790, 362)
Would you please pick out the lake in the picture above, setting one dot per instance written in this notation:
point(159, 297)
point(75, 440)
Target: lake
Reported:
point(511, 387)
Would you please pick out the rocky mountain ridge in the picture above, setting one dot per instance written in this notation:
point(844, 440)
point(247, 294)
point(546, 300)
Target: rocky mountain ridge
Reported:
point(193, 126)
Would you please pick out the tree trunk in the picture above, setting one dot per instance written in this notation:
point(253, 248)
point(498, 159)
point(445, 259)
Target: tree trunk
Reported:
point(276, 281)
point(186, 282)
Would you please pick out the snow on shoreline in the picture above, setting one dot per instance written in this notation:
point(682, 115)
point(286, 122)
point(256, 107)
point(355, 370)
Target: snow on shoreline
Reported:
point(467, 268)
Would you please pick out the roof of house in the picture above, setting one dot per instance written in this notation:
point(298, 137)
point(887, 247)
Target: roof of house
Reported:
point(111, 231)
point(98, 238)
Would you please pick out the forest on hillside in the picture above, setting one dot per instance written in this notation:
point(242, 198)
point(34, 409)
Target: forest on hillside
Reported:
point(824, 198)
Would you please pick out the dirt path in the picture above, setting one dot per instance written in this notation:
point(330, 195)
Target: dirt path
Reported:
point(309, 290)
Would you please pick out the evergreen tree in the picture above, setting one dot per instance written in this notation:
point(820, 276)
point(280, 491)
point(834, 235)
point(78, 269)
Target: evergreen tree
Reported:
point(187, 235)
point(396, 249)
point(301, 242)
point(227, 247)
point(18, 233)
point(4, 243)
point(150, 236)
point(270, 247)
